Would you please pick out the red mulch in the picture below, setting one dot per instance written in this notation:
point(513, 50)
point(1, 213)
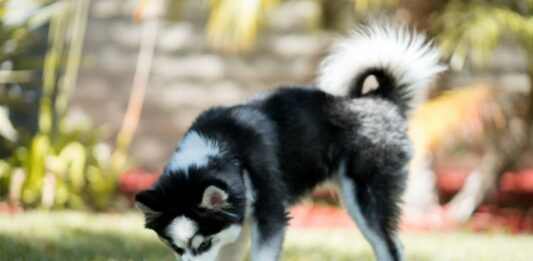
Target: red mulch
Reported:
point(494, 218)
point(515, 189)
point(8, 208)
point(308, 216)
point(510, 210)
point(485, 220)
point(136, 180)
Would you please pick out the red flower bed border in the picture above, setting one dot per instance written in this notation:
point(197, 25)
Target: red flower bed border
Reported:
point(511, 209)
point(515, 189)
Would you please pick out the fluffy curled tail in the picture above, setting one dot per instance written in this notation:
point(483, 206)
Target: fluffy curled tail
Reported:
point(404, 63)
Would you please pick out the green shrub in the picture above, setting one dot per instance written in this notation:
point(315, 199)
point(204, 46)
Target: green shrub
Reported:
point(59, 166)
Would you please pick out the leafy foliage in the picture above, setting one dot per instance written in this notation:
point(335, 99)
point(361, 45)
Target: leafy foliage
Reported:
point(468, 31)
point(61, 165)
point(69, 173)
point(234, 24)
point(467, 110)
point(473, 29)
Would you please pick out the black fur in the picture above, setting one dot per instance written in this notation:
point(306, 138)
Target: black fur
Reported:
point(175, 195)
point(289, 142)
point(388, 89)
point(273, 150)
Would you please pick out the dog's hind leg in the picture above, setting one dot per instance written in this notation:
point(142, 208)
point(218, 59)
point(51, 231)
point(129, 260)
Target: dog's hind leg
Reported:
point(371, 199)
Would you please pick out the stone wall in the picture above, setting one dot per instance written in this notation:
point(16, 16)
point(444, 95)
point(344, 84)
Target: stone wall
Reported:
point(188, 77)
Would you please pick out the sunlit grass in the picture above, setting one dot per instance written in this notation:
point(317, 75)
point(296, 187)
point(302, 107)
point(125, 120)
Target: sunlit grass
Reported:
point(77, 236)
point(80, 236)
point(347, 245)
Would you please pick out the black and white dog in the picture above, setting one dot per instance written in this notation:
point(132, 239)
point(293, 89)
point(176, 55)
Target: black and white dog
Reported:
point(238, 169)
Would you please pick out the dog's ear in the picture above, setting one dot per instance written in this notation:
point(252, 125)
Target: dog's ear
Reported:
point(215, 199)
point(146, 202)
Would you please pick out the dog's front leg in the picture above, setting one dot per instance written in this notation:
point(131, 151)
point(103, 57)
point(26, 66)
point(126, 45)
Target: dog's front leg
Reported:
point(267, 244)
point(268, 213)
point(268, 231)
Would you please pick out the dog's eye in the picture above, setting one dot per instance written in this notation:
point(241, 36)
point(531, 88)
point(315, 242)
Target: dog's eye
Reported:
point(178, 250)
point(204, 246)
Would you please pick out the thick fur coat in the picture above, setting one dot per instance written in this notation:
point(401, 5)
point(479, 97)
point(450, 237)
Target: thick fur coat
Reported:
point(238, 169)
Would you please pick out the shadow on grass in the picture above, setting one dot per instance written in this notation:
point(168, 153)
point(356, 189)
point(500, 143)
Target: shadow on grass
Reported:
point(84, 236)
point(299, 253)
point(79, 244)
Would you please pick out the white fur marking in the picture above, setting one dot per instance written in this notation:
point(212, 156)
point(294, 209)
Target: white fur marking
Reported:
point(408, 56)
point(250, 194)
point(6, 128)
point(224, 237)
point(181, 230)
point(236, 250)
point(193, 150)
point(228, 235)
point(348, 196)
point(197, 241)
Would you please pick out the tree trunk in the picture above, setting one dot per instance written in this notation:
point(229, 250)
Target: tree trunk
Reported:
point(138, 92)
point(503, 151)
point(480, 183)
point(420, 195)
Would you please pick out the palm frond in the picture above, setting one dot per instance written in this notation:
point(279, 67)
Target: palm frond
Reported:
point(369, 5)
point(471, 30)
point(461, 113)
point(233, 24)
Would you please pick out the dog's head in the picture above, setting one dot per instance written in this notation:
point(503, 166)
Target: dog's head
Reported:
point(198, 204)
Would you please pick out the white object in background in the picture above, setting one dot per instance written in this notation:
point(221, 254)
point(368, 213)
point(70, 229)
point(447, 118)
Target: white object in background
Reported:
point(18, 11)
point(6, 128)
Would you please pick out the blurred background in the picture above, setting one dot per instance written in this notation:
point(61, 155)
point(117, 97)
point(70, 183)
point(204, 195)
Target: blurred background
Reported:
point(95, 95)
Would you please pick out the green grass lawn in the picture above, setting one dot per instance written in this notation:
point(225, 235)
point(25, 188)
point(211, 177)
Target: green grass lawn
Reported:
point(80, 236)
